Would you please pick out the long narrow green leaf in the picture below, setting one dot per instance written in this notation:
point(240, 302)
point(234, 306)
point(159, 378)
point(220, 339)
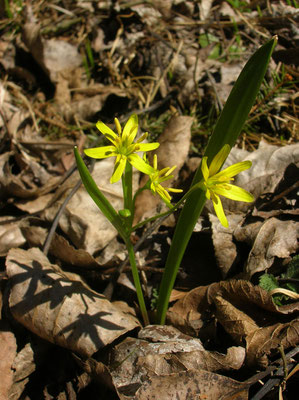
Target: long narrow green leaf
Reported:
point(227, 129)
point(98, 196)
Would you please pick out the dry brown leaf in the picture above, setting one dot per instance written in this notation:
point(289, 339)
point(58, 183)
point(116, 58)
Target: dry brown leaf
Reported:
point(35, 233)
point(97, 370)
point(10, 236)
point(52, 55)
point(35, 205)
point(173, 150)
point(162, 351)
point(86, 107)
point(8, 349)
point(225, 248)
point(191, 385)
point(263, 340)
point(237, 323)
point(23, 184)
point(275, 238)
point(61, 310)
point(24, 365)
point(244, 310)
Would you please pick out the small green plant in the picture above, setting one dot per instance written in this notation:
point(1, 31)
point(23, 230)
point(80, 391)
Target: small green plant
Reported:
point(284, 288)
point(88, 60)
point(209, 181)
point(239, 5)
point(13, 8)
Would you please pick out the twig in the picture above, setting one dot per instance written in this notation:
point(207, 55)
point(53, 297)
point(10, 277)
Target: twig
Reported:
point(276, 379)
point(50, 235)
point(55, 222)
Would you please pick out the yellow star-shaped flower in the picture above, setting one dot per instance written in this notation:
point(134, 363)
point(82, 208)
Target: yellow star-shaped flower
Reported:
point(123, 147)
point(157, 177)
point(218, 183)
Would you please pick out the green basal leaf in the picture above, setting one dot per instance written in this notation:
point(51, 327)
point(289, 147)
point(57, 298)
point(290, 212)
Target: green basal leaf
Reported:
point(226, 131)
point(98, 197)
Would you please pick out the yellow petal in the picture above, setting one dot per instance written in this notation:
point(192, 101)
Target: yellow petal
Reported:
point(208, 194)
point(205, 169)
point(118, 126)
point(234, 169)
point(105, 130)
point(233, 192)
point(131, 128)
point(118, 170)
point(173, 190)
point(219, 211)
point(140, 164)
point(148, 146)
point(219, 159)
point(165, 196)
point(100, 152)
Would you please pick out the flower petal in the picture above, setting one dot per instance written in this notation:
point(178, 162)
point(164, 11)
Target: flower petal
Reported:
point(140, 164)
point(219, 211)
point(208, 194)
point(234, 169)
point(100, 152)
point(105, 130)
point(118, 126)
point(165, 196)
point(131, 128)
point(205, 169)
point(173, 190)
point(233, 192)
point(148, 146)
point(118, 170)
point(219, 159)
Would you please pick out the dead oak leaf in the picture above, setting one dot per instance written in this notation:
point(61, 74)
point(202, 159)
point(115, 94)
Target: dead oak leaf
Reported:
point(58, 309)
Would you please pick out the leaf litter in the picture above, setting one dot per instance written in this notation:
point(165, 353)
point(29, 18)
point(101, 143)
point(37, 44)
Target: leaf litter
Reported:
point(57, 80)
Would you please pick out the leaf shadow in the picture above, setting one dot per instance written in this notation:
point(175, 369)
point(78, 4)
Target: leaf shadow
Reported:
point(45, 286)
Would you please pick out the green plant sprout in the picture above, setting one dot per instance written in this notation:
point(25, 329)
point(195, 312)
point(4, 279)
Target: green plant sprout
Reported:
point(209, 181)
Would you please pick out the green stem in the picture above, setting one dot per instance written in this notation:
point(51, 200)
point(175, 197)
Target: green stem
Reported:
point(137, 282)
point(168, 212)
point(174, 257)
point(127, 179)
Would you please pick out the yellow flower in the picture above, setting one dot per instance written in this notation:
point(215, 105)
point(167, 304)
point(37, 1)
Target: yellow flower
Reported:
point(218, 183)
point(123, 147)
point(157, 177)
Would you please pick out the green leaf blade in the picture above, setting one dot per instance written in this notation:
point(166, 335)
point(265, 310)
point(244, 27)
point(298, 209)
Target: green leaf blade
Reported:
point(226, 131)
point(98, 197)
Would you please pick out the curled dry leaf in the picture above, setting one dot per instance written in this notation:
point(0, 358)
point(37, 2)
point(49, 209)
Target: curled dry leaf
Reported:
point(225, 248)
point(24, 184)
point(62, 311)
point(10, 235)
point(245, 311)
point(275, 238)
point(8, 351)
point(35, 235)
point(24, 365)
point(163, 351)
point(173, 150)
point(261, 341)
